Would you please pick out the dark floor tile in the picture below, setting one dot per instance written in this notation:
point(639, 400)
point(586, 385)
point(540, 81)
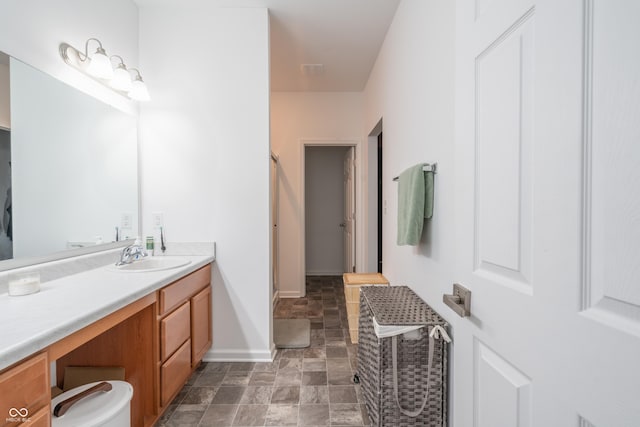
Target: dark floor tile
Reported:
point(316, 365)
point(199, 395)
point(288, 394)
point(314, 394)
point(256, 395)
point(334, 333)
point(187, 415)
point(340, 378)
point(251, 415)
point(228, 395)
point(219, 416)
point(314, 378)
point(284, 378)
point(338, 365)
point(236, 378)
point(242, 366)
point(262, 378)
point(209, 379)
point(336, 352)
point(342, 394)
point(290, 364)
point(291, 353)
point(217, 367)
point(266, 367)
point(282, 415)
point(314, 415)
point(315, 353)
point(346, 414)
point(167, 414)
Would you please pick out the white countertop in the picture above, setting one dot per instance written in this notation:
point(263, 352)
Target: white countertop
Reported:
point(31, 323)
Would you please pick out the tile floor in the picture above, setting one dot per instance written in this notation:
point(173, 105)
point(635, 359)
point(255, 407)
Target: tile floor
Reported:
point(306, 387)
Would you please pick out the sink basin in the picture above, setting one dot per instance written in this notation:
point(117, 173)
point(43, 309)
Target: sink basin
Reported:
point(151, 264)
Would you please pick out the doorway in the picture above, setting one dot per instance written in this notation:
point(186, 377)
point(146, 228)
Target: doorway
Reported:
point(329, 210)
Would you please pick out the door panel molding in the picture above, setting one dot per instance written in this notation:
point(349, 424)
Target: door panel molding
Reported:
point(502, 393)
point(611, 162)
point(503, 160)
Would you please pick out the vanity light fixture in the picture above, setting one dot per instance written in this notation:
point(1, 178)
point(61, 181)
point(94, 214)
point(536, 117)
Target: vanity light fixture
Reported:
point(99, 67)
point(138, 90)
point(121, 79)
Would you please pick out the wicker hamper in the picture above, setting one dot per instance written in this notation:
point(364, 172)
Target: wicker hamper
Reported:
point(402, 402)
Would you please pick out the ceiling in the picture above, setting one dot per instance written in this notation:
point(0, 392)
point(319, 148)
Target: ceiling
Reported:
point(343, 35)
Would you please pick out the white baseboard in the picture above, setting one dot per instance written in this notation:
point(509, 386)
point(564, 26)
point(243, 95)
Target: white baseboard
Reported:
point(289, 294)
point(238, 355)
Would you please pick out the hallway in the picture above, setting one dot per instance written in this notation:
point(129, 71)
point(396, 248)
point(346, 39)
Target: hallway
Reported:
point(305, 387)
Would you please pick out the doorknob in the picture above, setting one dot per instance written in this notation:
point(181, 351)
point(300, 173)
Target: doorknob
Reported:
point(460, 301)
point(342, 225)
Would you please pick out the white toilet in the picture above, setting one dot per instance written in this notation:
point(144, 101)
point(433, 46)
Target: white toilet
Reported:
point(101, 409)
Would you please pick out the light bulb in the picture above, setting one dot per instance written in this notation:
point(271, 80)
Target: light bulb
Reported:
point(139, 90)
point(121, 79)
point(100, 65)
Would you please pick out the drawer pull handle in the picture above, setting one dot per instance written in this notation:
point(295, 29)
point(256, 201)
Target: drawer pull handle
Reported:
point(62, 407)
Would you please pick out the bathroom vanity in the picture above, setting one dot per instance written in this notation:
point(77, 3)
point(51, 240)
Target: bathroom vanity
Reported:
point(157, 325)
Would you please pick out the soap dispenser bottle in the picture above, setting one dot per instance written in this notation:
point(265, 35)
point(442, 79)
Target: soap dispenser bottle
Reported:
point(150, 246)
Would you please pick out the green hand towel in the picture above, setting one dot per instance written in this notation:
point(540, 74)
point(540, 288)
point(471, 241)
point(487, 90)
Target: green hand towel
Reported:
point(428, 194)
point(411, 205)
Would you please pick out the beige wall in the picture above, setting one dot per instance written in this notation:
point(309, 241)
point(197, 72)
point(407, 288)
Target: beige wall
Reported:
point(298, 116)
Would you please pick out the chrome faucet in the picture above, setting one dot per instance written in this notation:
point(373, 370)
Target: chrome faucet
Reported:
point(132, 253)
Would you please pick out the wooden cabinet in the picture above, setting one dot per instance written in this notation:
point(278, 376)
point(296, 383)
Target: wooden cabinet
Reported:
point(159, 340)
point(200, 325)
point(174, 330)
point(175, 372)
point(184, 317)
point(42, 418)
point(24, 390)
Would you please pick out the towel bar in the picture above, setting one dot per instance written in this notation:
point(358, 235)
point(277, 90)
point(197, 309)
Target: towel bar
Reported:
point(433, 167)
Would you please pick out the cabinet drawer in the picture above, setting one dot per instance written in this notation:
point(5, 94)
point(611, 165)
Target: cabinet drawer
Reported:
point(175, 372)
point(25, 386)
point(42, 418)
point(174, 330)
point(173, 295)
point(200, 325)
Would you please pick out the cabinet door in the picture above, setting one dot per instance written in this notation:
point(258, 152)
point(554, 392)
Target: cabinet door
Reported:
point(24, 389)
point(200, 325)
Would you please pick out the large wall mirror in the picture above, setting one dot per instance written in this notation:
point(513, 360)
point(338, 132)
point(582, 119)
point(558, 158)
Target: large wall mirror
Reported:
point(68, 168)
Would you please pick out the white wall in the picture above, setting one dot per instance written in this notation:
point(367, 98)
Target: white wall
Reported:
point(205, 151)
point(324, 210)
point(411, 87)
point(295, 117)
point(32, 31)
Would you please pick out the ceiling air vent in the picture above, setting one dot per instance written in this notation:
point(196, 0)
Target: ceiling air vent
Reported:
point(312, 69)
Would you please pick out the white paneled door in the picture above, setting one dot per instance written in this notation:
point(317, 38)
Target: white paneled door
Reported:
point(548, 205)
